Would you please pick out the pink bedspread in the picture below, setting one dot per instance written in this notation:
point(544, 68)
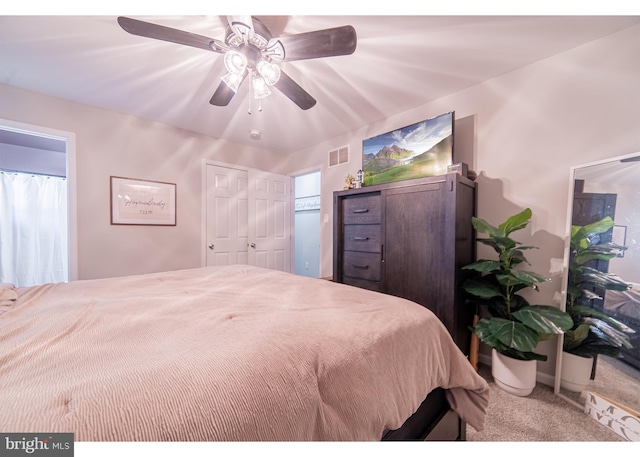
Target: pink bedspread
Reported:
point(223, 354)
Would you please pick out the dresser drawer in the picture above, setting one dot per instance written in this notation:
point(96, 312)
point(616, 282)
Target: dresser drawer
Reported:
point(364, 209)
point(362, 283)
point(363, 265)
point(365, 238)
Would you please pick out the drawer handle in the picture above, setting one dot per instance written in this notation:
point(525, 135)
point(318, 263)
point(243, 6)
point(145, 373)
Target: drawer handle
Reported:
point(361, 267)
point(361, 210)
point(360, 238)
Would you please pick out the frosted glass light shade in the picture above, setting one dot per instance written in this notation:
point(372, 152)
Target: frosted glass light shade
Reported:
point(232, 80)
point(235, 62)
point(260, 87)
point(269, 71)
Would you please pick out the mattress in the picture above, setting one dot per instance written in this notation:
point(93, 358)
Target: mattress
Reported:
point(235, 353)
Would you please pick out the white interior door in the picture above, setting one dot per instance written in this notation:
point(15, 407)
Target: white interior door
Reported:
point(227, 194)
point(248, 218)
point(270, 220)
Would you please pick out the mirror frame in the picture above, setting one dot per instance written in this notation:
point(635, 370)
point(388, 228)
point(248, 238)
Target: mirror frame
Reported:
point(565, 265)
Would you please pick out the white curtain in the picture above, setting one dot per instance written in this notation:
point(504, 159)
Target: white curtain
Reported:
point(33, 229)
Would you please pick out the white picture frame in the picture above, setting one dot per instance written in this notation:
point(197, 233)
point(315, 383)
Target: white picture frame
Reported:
point(142, 202)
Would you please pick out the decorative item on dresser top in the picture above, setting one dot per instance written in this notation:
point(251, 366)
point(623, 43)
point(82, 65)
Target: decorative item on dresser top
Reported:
point(410, 239)
point(513, 328)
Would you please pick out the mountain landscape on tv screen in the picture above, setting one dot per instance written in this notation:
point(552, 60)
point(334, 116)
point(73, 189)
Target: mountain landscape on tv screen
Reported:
point(415, 151)
point(394, 163)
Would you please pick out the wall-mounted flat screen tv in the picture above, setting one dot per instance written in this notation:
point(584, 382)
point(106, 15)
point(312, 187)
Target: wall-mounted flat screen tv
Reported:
point(418, 150)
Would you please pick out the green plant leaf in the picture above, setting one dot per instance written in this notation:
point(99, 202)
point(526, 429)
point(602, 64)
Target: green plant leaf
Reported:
point(594, 332)
point(490, 242)
point(505, 243)
point(481, 289)
point(483, 266)
point(575, 337)
point(515, 222)
point(593, 277)
point(482, 226)
point(529, 277)
point(589, 350)
point(514, 334)
point(508, 279)
point(605, 251)
point(608, 333)
point(544, 319)
point(483, 331)
point(579, 314)
point(597, 227)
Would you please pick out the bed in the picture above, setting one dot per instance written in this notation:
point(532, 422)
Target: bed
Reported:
point(234, 353)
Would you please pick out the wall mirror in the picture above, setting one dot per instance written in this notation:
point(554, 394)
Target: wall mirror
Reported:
point(607, 188)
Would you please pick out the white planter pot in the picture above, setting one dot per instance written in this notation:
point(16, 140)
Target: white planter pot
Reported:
point(518, 377)
point(575, 373)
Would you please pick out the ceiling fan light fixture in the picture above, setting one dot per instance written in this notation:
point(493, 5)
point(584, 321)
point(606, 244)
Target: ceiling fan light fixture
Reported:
point(246, 42)
point(269, 71)
point(233, 80)
point(260, 87)
point(235, 62)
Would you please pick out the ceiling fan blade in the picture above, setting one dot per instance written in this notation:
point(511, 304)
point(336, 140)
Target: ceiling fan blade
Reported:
point(294, 92)
point(241, 26)
point(160, 32)
point(338, 41)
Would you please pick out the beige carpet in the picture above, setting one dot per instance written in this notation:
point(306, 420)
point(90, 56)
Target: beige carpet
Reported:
point(542, 416)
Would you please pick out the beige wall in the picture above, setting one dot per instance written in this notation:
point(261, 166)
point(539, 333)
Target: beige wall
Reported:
point(112, 144)
point(521, 132)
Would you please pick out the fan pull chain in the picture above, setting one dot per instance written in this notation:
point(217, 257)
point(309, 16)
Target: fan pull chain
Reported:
point(250, 92)
point(259, 106)
point(252, 97)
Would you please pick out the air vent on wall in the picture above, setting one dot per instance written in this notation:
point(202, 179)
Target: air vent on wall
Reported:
point(339, 156)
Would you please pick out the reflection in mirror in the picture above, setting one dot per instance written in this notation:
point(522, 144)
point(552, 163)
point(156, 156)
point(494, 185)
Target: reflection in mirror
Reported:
point(605, 203)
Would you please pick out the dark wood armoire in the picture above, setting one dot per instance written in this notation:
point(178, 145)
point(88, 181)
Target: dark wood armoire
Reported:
point(410, 239)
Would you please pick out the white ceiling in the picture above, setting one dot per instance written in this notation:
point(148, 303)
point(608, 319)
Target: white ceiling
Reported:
point(400, 62)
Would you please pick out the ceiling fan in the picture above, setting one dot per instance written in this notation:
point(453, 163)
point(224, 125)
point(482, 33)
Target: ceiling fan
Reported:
point(250, 50)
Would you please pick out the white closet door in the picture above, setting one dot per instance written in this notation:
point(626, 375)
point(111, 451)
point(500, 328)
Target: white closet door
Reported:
point(227, 195)
point(270, 220)
point(248, 218)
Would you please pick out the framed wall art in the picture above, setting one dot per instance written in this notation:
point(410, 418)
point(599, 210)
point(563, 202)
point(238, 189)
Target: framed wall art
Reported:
point(142, 202)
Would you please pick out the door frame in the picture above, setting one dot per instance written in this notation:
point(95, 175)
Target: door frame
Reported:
point(203, 204)
point(295, 174)
point(70, 156)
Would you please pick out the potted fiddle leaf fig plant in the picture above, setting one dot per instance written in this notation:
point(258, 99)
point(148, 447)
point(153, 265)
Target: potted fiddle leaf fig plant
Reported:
point(593, 332)
point(513, 327)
